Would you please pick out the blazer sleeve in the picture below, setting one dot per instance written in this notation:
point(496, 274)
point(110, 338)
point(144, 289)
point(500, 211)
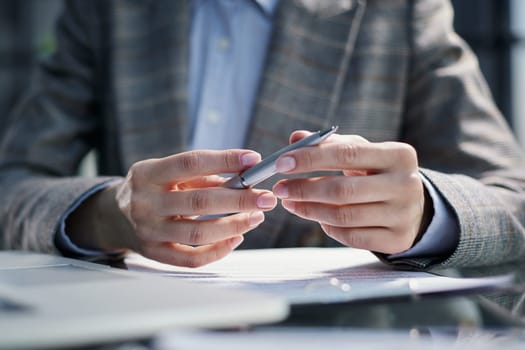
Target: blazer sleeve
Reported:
point(48, 134)
point(465, 148)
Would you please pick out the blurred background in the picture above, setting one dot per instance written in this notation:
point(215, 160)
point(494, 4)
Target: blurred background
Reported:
point(495, 29)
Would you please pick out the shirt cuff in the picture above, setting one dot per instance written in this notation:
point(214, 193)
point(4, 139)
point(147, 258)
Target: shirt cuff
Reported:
point(64, 243)
point(442, 235)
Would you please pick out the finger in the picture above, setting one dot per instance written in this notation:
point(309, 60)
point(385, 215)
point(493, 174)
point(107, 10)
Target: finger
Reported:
point(338, 189)
point(190, 164)
point(349, 155)
point(183, 255)
point(379, 214)
point(212, 201)
point(301, 134)
point(199, 182)
point(200, 232)
point(377, 239)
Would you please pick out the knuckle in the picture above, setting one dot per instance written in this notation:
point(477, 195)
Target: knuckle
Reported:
point(341, 191)
point(404, 153)
point(240, 226)
point(296, 190)
point(198, 201)
point(354, 239)
point(359, 139)
point(196, 235)
point(244, 202)
point(303, 210)
point(343, 215)
point(308, 160)
point(137, 173)
point(413, 182)
point(304, 159)
point(300, 191)
point(136, 168)
point(410, 152)
point(189, 161)
point(134, 178)
point(244, 225)
point(346, 153)
point(231, 159)
point(409, 186)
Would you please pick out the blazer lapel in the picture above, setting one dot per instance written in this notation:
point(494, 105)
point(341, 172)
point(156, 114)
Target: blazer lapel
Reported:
point(308, 57)
point(306, 64)
point(151, 59)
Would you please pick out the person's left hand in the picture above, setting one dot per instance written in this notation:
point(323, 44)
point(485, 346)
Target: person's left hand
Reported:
point(378, 203)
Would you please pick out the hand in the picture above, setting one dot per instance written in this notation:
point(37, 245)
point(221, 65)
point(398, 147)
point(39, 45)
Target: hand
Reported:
point(378, 203)
point(161, 201)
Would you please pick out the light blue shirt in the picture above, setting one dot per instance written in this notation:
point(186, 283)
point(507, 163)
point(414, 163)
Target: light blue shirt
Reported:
point(228, 45)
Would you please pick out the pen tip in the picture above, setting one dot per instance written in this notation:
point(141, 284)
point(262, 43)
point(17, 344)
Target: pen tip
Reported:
point(329, 131)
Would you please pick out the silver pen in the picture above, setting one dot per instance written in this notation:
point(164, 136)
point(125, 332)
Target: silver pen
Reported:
point(266, 167)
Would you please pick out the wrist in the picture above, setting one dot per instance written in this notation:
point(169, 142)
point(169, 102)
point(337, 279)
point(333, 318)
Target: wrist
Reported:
point(99, 224)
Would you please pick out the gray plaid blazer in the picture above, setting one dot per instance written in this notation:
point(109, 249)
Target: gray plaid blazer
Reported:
point(386, 70)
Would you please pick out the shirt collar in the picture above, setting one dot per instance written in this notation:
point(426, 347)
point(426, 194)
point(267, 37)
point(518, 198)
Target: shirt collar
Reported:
point(268, 6)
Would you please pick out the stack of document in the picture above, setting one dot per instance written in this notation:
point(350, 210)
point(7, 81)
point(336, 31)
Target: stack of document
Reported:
point(284, 338)
point(318, 275)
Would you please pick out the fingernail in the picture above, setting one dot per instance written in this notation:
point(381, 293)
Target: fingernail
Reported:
point(249, 159)
point(285, 164)
point(266, 201)
point(236, 241)
point(256, 218)
point(281, 191)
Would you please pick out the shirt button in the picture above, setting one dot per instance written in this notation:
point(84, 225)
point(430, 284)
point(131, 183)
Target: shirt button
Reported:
point(214, 117)
point(223, 44)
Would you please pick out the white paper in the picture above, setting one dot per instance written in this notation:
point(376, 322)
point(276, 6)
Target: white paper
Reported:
point(311, 338)
point(316, 275)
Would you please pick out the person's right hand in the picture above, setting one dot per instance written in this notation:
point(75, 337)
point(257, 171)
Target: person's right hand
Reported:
point(163, 200)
